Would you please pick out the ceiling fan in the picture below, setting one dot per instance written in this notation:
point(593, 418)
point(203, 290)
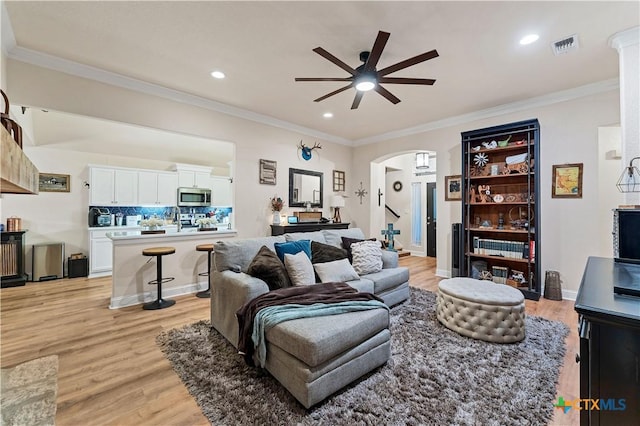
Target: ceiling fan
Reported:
point(366, 77)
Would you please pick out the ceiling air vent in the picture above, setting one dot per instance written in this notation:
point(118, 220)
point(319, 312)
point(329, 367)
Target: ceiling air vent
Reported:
point(565, 45)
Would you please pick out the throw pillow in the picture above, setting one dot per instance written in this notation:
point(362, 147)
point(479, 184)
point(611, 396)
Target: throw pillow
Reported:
point(293, 247)
point(347, 242)
point(367, 257)
point(299, 268)
point(336, 271)
point(268, 267)
point(321, 253)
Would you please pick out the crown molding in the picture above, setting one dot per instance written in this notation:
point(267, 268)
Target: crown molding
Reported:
point(626, 38)
point(537, 102)
point(66, 66)
point(8, 41)
point(92, 73)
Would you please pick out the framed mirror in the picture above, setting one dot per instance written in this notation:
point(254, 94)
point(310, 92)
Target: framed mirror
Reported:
point(305, 186)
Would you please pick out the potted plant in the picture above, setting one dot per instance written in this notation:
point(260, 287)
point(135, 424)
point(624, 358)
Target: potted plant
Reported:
point(153, 223)
point(276, 206)
point(206, 222)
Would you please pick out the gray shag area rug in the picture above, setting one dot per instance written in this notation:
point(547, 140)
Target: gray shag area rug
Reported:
point(28, 392)
point(434, 377)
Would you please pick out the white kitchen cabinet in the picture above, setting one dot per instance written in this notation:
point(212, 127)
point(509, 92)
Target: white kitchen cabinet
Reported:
point(113, 187)
point(221, 192)
point(194, 179)
point(100, 253)
point(157, 188)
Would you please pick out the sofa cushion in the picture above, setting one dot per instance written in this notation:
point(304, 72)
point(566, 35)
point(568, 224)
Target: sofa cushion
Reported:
point(363, 285)
point(313, 236)
point(336, 271)
point(299, 268)
point(321, 253)
point(318, 339)
point(367, 257)
point(333, 237)
point(388, 278)
point(236, 255)
point(293, 247)
point(267, 266)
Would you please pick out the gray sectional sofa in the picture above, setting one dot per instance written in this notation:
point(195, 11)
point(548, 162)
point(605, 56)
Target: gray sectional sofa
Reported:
point(311, 357)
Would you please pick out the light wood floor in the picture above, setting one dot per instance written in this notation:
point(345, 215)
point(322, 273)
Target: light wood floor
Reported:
point(112, 372)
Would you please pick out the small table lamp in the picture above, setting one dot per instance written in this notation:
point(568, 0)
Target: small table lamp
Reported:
point(337, 201)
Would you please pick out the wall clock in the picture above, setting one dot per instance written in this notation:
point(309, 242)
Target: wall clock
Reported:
point(397, 186)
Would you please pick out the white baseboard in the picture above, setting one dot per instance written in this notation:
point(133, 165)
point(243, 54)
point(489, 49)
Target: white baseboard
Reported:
point(569, 295)
point(100, 274)
point(445, 273)
point(150, 296)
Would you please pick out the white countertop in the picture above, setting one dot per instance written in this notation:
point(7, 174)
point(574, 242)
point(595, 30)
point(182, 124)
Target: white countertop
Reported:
point(170, 232)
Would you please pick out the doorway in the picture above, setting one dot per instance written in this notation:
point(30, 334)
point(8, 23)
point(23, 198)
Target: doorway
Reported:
point(431, 219)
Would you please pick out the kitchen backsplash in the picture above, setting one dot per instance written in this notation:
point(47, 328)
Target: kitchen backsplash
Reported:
point(220, 213)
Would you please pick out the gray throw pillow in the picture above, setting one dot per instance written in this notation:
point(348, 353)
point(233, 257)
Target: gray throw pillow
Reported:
point(267, 266)
point(322, 253)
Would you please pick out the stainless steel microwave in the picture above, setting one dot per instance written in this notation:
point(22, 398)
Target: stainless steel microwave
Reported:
point(194, 197)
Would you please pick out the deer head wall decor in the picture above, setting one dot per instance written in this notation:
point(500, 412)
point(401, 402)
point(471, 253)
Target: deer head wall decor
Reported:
point(306, 150)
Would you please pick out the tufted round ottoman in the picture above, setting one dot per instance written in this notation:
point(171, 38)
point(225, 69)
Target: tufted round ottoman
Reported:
point(481, 309)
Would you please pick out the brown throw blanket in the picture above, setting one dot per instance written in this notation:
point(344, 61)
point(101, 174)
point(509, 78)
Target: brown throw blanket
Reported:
point(303, 295)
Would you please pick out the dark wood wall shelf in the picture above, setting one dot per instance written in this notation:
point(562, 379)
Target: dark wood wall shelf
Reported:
point(517, 185)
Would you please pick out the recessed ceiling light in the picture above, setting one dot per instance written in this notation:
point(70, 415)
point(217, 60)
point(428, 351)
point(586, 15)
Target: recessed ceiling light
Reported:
point(327, 115)
point(528, 39)
point(217, 74)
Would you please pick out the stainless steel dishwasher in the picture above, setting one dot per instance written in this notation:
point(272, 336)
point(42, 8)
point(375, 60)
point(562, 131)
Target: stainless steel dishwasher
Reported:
point(47, 261)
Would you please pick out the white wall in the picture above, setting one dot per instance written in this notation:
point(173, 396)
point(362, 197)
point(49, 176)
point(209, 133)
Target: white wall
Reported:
point(569, 134)
point(63, 217)
point(609, 170)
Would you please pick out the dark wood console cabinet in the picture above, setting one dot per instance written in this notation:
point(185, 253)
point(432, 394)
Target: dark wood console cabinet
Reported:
point(305, 227)
point(609, 329)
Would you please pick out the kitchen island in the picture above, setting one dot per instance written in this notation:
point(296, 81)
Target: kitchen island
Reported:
point(132, 271)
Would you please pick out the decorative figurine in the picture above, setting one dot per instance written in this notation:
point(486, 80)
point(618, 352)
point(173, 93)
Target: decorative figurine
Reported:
point(389, 233)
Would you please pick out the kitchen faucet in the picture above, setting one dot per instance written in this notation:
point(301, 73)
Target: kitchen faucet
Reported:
point(175, 211)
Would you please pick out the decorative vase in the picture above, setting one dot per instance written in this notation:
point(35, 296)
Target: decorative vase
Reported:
point(276, 218)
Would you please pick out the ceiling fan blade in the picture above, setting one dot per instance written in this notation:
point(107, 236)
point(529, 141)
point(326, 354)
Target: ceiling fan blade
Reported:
point(320, 51)
point(357, 99)
point(408, 62)
point(335, 92)
point(387, 94)
point(401, 80)
point(323, 79)
point(376, 51)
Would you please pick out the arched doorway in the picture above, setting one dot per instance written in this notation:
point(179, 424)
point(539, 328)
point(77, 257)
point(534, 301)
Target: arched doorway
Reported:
point(403, 194)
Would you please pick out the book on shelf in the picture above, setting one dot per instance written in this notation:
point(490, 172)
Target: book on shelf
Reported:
point(501, 248)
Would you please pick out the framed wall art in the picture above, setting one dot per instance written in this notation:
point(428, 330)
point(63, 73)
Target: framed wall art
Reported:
point(338, 181)
point(51, 182)
point(268, 172)
point(453, 188)
point(567, 181)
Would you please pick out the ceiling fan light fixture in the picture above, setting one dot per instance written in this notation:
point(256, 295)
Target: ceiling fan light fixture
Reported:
point(365, 83)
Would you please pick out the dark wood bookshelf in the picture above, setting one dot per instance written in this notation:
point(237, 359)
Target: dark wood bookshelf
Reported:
point(508, 171)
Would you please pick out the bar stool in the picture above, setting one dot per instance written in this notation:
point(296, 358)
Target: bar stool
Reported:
point(158, 252)
point(209, 249)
